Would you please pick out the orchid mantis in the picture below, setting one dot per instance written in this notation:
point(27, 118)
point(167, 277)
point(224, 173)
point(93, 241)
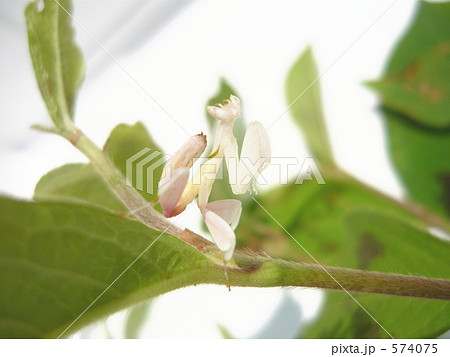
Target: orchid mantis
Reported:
point(177, 190)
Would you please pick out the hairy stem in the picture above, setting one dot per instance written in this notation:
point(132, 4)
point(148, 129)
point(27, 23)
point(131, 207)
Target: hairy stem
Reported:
point(117, 183)
point(282, 273)
point(268, 272)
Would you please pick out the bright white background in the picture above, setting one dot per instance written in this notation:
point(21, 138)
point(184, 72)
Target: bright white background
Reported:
point(178, 50)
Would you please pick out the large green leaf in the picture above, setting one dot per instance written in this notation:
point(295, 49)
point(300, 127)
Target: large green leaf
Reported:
point(82, 182)
point(58, 62)
point(57, 258)
point(418, 130)
point(400, 248)
point(303, 97)
point(422, 90)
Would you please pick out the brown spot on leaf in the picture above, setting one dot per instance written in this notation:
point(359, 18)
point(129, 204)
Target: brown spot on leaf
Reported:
point(368, 250)
point(364, 326)
point(411, 71)
point(433, 95)
point(443, 48)
point(424, 88)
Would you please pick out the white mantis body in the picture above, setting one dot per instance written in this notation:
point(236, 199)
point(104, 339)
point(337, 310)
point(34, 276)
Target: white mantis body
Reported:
point(177, 191)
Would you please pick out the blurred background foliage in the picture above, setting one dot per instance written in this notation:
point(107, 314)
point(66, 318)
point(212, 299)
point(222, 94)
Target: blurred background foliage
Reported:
point(346, 223)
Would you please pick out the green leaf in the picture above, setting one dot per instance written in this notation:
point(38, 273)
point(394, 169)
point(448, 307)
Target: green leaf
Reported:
point(341, 317)
point(422, 90)
point(82, 182)
point(137, 317)
point(314, 214)
point(303, 96)
point(429, 29)
point(406, 249)
point(58, 63)
point(419, 157)
point(221, 187)
point(416, 138)
point(57, 258)
point(77, 182)
point(125, 141)
point(318, 217)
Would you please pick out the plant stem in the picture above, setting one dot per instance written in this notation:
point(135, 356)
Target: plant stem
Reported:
point(116, 181)
point(251, 270)
point(273, 273)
